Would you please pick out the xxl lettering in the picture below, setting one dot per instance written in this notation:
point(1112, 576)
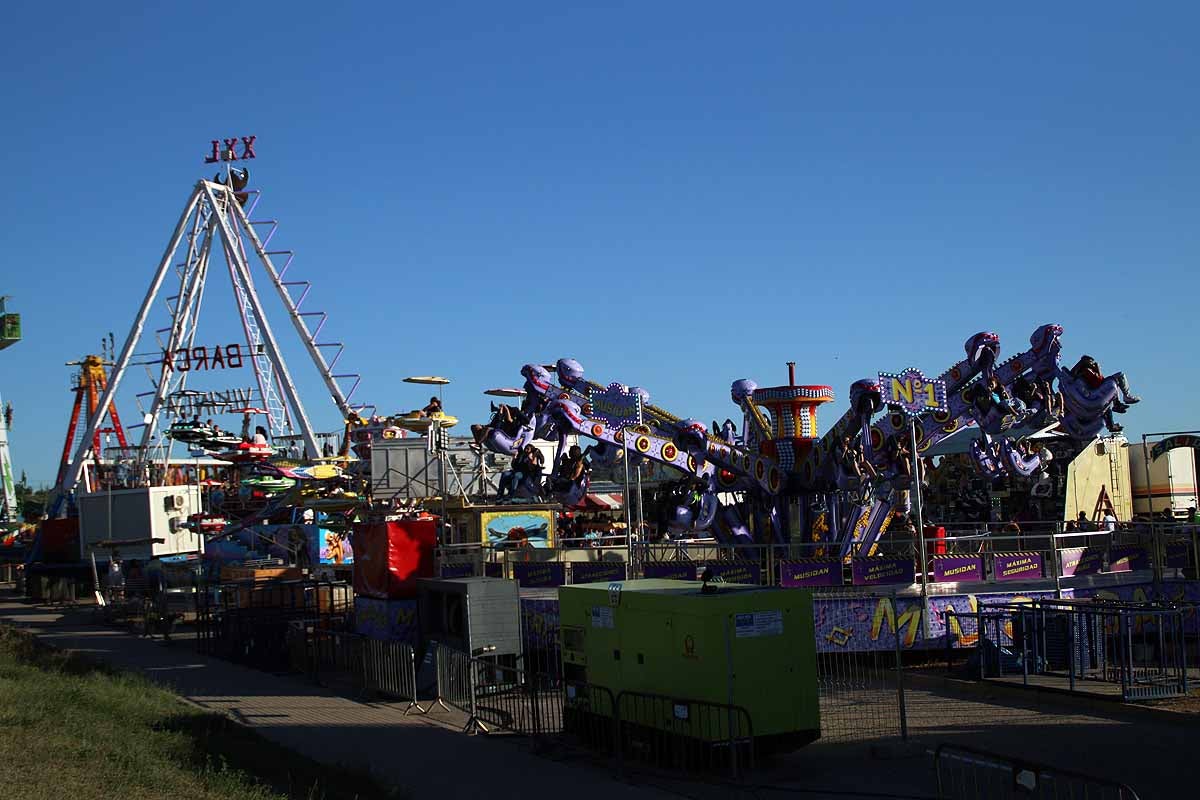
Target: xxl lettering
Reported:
point(225, 149)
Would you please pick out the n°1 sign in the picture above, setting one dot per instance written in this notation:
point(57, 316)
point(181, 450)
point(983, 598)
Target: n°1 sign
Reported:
point(912, 392)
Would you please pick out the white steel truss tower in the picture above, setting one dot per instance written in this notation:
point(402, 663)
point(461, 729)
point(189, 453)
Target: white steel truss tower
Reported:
point(215, 217)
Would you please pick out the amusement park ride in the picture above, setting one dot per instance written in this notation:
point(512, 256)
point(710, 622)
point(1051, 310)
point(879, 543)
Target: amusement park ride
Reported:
point(10, 334)
point(248, 479)
point(778, 481)
point(771, 477)
point(90, 383)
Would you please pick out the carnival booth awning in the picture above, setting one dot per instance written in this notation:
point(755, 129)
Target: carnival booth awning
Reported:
point(607, 501)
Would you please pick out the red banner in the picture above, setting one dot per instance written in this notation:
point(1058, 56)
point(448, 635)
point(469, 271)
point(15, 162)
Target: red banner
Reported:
point(389, 557)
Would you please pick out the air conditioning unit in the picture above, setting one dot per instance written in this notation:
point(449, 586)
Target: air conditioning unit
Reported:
point(175, 502)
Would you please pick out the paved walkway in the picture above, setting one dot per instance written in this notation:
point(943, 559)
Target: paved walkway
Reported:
point(430, 756)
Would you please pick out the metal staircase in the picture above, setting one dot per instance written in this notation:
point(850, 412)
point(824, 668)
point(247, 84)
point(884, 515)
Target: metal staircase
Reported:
point(279, 421)
point(343, 398)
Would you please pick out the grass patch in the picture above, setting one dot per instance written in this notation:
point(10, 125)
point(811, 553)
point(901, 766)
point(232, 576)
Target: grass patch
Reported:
point(71, 727)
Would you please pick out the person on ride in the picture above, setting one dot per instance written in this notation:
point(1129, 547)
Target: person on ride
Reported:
point(900, 455)
point(527, 464)
point(570, 469)
point(696, 496)
point(999, 396)
point(434, 407)
point(847, 455)
point(854, 460)
point(507, 419)
point(260, 435)
point(1032, 394)
point(1087, 369)
point(1054, 400)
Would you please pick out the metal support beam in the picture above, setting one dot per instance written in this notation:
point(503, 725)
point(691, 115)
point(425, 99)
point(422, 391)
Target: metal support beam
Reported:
point(186, 309)
point(233, 253)
point(135, 334)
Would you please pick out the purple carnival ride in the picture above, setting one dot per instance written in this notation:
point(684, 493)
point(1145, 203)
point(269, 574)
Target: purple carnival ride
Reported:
point(777, 479)
point(869, 464)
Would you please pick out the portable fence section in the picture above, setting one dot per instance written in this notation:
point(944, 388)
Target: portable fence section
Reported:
point(656, 731)
point(1137, 651)
point(965, 773)
point(683, 735)
point(374, 667)
point(589, 717)
point(249, 623)
point(497, 695)
point(862, 691)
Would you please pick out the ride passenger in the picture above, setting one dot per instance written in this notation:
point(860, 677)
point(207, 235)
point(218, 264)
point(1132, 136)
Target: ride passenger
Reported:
point(899, 454)
point(570, 468)
point(1087, 369)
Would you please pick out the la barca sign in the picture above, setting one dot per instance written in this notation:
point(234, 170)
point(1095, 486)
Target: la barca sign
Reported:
point(196, 359)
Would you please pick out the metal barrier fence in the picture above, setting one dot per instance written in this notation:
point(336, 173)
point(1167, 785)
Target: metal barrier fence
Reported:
point(862, 692)
point(683, 734)
point(375, 667)
point(656, 730)
point(248, 622)
point(963, 772)
point(1136, 650)
point(1164, 549)
point(499, 695)
point(589, 717)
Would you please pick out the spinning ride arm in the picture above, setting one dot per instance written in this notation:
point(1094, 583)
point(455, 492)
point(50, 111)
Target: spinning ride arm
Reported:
point(931, 429)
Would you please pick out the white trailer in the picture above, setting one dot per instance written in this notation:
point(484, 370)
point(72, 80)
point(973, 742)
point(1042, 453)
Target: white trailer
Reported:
point(140, 517)
point(1169, 483)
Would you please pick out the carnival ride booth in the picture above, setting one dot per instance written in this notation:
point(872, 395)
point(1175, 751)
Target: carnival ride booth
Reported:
point(598, 521)
point(700, 648)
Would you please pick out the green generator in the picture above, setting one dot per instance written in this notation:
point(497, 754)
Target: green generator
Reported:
point(714, 662)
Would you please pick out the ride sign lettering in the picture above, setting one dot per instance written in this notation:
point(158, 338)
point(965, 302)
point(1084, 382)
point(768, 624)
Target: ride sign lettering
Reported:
point(196, 359)
point(223, 149)
point(912, 392)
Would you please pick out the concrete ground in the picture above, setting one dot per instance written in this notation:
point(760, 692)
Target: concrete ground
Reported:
point(1151, 751)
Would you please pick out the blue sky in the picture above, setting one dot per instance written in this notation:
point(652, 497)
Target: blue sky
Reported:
point(676, 194)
